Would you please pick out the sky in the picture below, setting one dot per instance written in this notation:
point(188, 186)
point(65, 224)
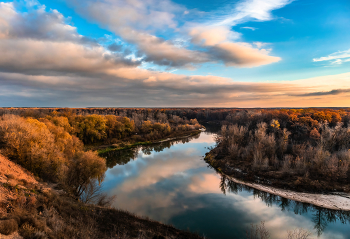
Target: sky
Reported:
point(163, 53)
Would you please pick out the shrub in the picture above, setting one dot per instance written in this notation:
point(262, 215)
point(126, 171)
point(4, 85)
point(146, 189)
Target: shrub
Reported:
point(84, 167)
point(8, 226)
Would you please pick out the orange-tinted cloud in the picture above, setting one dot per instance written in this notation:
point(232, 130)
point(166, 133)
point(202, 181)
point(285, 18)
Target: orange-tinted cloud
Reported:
point(55, 66)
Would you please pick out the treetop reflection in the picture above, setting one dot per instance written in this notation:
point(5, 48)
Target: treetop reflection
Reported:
point(122, 157)
point(321, 217)
point(170, 182)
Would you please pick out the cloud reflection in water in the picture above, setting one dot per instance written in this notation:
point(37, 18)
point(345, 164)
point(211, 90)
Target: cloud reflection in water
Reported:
point(171, 183)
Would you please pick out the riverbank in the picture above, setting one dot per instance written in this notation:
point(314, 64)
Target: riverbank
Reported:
point(329, 200)
point(33, 209)
point(107, 148)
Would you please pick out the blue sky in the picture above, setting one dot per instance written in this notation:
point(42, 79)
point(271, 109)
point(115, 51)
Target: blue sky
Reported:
point(246, 53)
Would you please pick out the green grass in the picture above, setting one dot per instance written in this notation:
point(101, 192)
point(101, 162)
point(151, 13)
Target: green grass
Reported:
point(101, 151)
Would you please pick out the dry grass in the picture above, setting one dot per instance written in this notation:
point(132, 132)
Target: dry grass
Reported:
point(50, 215)
point(8, 226)
point(12, 170)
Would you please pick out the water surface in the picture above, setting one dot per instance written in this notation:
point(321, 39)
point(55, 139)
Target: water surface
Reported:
point(171, 183)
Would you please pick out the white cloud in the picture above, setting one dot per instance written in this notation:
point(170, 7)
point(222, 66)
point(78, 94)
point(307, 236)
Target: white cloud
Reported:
point(40, 42)
point(36, 24)
point(45, 57)
point(336, 58)
point(260, 10)
point(242, 55)
point(139, 22)
point(260, 44)
point(220, 45)
point(218, 34)
point(250, 28)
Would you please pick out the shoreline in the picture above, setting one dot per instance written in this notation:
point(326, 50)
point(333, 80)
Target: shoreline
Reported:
point(109, 148)
point(36, 203)
point(334, 200)
point(329, 201)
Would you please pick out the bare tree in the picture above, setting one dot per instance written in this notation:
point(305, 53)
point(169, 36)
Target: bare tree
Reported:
point(299, 233)
point(258, 232)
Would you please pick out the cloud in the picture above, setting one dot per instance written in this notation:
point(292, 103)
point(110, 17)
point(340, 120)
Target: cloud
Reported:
point(221, 42)
point(37, 24)
point(336, 58)
point(322, 93)
point(40, 42)
point(209, 36)
point(115, 47)
point(135, 14)
point(218, 42)
point(139, 22)
point(54, 66)
point(235, 54)
point(250, 28)
point(260, 10)
point(40, 57)
point(131, 87)
point(162, 52)
point(136, 21)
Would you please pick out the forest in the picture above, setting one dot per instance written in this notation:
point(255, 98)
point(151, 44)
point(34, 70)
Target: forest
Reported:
point(302, 149)
point(54, 145)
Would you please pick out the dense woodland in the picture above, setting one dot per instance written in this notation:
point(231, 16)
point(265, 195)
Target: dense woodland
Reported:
point(112, 125)
point(307, 148)
point(52, 144)
point(201, 114)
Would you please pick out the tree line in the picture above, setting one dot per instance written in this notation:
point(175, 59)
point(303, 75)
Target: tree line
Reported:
point(304, 147)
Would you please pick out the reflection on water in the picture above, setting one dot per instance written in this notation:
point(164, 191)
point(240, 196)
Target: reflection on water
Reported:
point(122, 157)
point(170, 182)
point(321, 217)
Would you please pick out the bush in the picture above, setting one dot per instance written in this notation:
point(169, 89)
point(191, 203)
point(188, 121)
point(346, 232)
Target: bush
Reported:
point(8, 226)
point(85, 167)
point(32, 145)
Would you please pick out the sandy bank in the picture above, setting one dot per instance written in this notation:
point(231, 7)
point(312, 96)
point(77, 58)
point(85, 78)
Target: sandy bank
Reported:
point(340, 201)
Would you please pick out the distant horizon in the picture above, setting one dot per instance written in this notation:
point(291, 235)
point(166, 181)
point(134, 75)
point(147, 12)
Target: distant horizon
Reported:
point(180, 107)
point(160, 53)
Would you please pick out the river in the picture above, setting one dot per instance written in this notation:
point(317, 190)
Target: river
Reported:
point(171, 183)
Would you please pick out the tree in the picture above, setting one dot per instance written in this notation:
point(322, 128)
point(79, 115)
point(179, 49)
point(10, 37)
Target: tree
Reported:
point(91, 128)
point(83, 168)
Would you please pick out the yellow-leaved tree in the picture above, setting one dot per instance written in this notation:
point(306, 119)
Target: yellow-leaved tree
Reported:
point(50, 152)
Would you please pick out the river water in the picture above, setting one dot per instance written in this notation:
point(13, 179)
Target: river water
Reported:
point(171, 183)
